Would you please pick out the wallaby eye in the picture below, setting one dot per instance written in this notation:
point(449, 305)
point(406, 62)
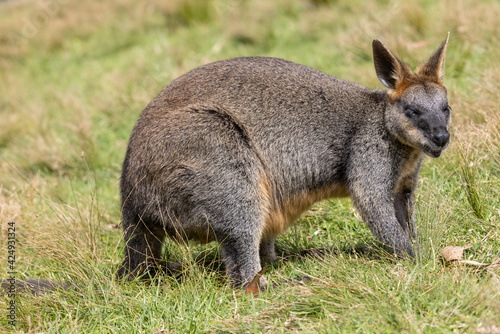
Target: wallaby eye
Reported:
point(410, 112)
point(447, 109)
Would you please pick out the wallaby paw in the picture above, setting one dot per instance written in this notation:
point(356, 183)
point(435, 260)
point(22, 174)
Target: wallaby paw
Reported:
point(142, 272)
point(297, 280)
point(174, 269)
point(269, 260)
point(317, 252)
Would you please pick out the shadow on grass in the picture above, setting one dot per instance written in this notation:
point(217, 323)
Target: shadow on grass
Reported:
point(208, 260)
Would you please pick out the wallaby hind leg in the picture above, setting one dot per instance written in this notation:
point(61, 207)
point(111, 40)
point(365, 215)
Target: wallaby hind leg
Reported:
point(241, 258)
point(267, 250)
point(143, 246)
point(238, 229)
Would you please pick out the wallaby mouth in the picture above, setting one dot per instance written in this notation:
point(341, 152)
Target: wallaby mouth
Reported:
point(438, 142)
point(435, 153)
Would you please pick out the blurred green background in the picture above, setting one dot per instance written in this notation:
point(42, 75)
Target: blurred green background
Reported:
point(74, 77)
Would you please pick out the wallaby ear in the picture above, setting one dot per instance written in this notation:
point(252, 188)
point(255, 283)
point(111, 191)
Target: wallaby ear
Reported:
point(389, 69)
point(434, 67)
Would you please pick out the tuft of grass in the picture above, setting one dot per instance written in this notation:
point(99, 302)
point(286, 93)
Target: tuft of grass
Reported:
point(192, 12)
point(323, 2)
point(469, 172)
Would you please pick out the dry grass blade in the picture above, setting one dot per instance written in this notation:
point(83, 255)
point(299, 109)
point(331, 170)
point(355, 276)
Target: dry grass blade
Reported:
point(475, 263)
point(254, 286)
point(455, 254)
point(452, 253)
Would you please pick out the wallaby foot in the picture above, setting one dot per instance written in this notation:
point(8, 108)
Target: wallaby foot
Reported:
point(146, 270)
point(174, 268)
point(317, 252)
point(143, 247)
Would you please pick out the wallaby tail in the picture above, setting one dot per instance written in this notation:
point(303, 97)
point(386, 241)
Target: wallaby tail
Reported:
point(34, 286)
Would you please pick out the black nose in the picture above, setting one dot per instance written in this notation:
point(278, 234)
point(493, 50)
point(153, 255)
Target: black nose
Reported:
point(441, 138)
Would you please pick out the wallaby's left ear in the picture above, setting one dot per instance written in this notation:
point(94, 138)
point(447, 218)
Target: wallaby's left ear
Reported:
point(435, 65)
point(390, 70)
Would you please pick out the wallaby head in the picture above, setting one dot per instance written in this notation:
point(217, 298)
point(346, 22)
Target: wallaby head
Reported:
point(417, 111)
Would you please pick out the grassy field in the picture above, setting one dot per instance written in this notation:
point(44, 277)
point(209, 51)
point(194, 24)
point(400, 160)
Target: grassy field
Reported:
point(74, 77)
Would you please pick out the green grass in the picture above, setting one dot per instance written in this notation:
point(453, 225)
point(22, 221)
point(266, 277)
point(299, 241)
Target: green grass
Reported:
point(73, 81)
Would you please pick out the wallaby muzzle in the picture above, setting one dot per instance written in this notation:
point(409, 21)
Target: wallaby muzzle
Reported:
point(437, 135)
point(441, 138)
point(438, 141)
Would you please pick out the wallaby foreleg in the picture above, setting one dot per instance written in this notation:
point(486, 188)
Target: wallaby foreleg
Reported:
point(403, 204)
point(371, 194)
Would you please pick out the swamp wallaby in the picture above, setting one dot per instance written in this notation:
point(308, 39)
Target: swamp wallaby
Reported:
point(236, 150)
